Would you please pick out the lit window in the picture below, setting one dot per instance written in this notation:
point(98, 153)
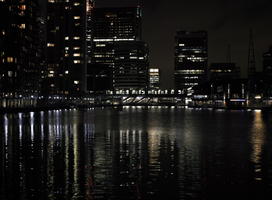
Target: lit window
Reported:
point(153, 70)
point(66, 72)
point(50, 44)
point(76, 61)
point(22, 7)
point(76, 17)
point(100, 45)
point(76, 82)
point(76, 38)
point(76, 54)
point(76, 48)
point(76, 4)
point(22, 26)
point(10, 59)
point(66, 38)
point(10, 73)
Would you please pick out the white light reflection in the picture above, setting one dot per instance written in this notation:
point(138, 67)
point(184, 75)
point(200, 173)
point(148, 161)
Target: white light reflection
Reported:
point(42, 126)
point(257, 141)
point(20, 115)
point(76, 157)
point(32, 127)
point(154, 140)
point(6, 129)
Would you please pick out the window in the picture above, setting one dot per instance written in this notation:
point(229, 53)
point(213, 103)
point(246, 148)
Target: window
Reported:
point(50, 44)
point(10, 59)
point(22, 26)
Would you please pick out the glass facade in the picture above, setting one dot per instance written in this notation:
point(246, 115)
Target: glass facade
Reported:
point(154, 78)
point(119, 59)
point(191, 58)
point(20, 47)
point(66, 47)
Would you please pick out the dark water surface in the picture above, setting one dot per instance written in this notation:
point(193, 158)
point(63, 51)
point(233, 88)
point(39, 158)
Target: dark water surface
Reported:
point(136, 153)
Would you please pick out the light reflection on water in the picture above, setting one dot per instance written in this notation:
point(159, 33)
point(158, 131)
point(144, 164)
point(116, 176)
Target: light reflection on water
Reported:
point(136, 153)
point(257, 140)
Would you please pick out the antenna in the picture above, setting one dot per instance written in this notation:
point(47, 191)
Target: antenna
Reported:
point(251, 56)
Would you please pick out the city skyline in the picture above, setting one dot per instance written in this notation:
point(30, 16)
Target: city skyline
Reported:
point(227, 23)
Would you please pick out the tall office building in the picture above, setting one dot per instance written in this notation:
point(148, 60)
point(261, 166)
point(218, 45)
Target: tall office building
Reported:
point(20, 52)
point(119, 59)
point(154, 78)
point(267, 62)
point(66, 47)
point(191, 58)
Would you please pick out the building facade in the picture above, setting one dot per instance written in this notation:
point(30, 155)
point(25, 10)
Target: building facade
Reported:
point(20, 49)
point(191, 58)
point(154, 78)
point(66, 48)
point(267, 62)
point(119, 58)
point(223, 71)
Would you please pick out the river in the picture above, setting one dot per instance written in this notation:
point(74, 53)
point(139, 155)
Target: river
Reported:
point(136, 153)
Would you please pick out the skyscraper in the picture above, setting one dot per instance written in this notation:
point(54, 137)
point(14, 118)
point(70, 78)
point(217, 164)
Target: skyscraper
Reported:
point(119, 58)
point(267, 62)
point(191, 58)
point(20, 52)
point(66, 47)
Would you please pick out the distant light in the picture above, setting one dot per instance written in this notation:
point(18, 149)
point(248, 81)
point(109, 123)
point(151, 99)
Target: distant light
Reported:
point(258, 97)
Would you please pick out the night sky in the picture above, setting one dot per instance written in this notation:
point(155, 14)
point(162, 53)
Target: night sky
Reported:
point(227, 22)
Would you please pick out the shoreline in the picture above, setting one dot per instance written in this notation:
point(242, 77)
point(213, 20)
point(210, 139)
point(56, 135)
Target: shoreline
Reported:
point(48, 108)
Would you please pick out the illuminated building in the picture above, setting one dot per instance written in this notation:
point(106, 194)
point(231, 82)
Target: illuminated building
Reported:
point(20, 52)
point(119, 58)
point(154, 78)
point(66, 47)
point(191, 58)
point(223, 71)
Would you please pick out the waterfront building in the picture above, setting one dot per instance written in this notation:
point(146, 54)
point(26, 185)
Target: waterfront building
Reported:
point(267, 72)
point(20, 47)
point(191, 58)
point(223, 71)
point(118, 56)
point(66, 48)
point(154, 78)
point(267, 62)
